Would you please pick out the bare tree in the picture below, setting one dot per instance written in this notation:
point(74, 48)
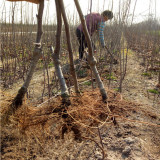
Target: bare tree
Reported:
point(56, 54)
point(17, 101)
point(72, 69)
point(91, 58)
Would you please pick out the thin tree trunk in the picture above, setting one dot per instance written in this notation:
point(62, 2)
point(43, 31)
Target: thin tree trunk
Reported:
point(91, 59)
point(72, 69)
point(159, 78)
point(56, 59)
point(64, 91)
point(36, 55)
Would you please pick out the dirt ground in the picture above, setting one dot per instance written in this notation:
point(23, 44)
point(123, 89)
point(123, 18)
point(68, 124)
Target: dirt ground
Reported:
point(136, 84)
point(127, 127)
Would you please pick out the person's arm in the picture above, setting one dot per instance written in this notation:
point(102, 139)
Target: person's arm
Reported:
point(101, 26)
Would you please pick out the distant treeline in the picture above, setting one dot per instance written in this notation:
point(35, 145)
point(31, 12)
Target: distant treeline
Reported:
point(147, 25)
point(8, 27)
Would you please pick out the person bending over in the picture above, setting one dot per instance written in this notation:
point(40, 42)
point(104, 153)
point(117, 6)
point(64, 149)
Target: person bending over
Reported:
point(94, 22)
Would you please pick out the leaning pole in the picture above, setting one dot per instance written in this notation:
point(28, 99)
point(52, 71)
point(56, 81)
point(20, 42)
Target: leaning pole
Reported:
point(18, 100)
point(91, 59)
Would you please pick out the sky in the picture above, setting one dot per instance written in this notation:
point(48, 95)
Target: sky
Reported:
point(141, 8)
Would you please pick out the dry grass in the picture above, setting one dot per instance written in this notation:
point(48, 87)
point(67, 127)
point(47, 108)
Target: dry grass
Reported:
point(36, 133)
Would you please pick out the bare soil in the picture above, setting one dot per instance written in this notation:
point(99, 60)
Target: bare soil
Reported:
point(136, 85)
point(127, 127)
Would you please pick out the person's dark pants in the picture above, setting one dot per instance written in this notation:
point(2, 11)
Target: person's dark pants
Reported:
point(82, 43)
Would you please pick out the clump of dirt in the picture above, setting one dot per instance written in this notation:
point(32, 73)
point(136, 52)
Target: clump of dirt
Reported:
point(118, 129)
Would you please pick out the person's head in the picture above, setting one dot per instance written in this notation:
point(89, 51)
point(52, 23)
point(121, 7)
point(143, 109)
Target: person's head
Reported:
point(107, 15)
